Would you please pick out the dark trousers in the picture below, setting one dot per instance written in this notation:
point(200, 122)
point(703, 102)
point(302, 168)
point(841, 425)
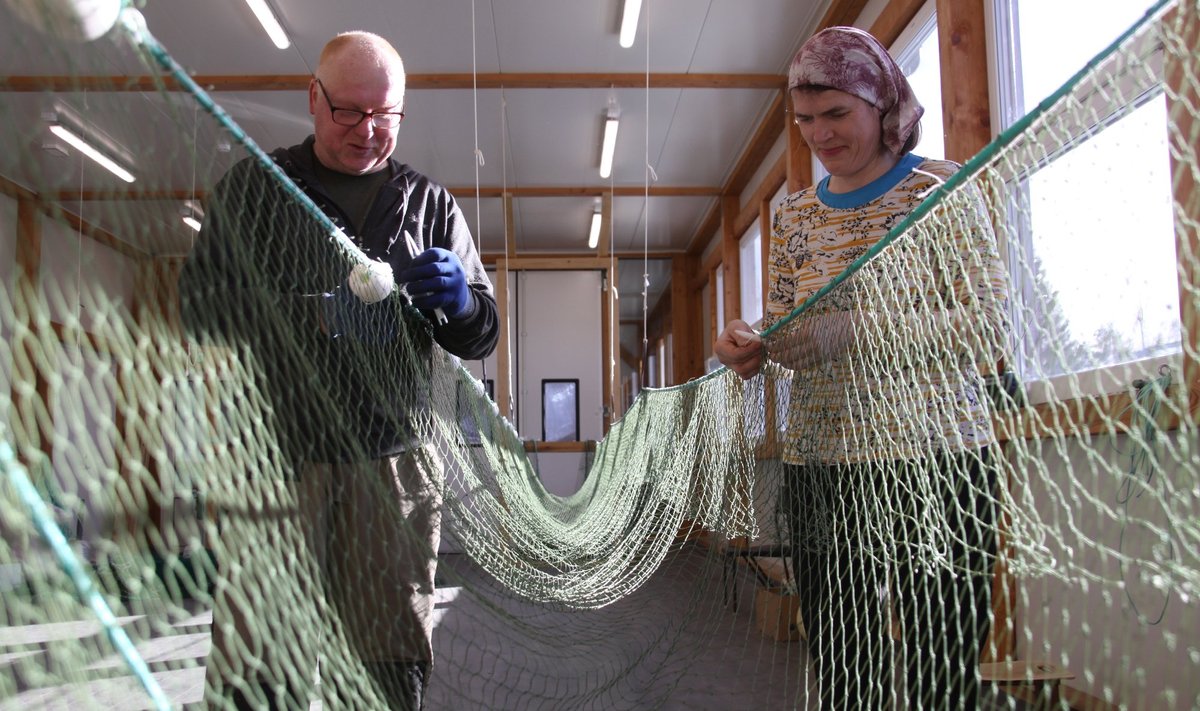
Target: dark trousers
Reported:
point(866, 544)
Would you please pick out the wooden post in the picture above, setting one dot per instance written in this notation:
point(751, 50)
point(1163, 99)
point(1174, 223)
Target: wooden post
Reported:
point(730, 261)
point(799, 157)
point(966, 108)
point(685, 321)
point(503, 367)
point(510, 230)
point(1181, 32)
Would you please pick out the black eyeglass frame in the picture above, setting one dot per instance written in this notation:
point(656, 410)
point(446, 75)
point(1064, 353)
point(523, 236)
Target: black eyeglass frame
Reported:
point(373, 115)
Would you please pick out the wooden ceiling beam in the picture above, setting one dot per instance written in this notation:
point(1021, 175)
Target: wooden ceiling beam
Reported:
point(461, 191)
point(573, 260)
point(501, 80)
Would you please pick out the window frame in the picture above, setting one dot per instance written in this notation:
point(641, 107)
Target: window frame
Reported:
point(1008, 108)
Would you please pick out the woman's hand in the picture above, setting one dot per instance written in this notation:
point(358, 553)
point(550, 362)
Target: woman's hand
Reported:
point(740, 349)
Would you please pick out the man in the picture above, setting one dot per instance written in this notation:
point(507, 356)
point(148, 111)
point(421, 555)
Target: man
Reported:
point(343, 384)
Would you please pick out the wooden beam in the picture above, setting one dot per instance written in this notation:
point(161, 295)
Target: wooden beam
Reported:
point(707, 230)
point(503, 367)
point(547, 191)
point(604, 245)
point(630, 360)
point(893, 19)
point(77, 223)
point(490, 258)
point(1182, 32)
point(460, 191)
point(730, 260)
point(841, 12)
point(462, 80)
point(610, 338)
point(547, 264)
point(510, 227)
point(966, 107)
point(685, 322)
point(764, 226)
point(760, 145)
point(537, 445)
point(28, 250)
point(799, 159)
point(752, 210)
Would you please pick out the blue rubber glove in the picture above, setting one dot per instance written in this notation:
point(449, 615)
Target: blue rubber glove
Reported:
point(344, 315)
point(436, 279)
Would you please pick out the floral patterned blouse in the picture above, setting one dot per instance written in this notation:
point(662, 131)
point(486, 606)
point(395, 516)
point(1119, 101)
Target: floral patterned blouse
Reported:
point(912, 328)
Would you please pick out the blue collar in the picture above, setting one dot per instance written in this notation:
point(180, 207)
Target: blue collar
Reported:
point(870, 191)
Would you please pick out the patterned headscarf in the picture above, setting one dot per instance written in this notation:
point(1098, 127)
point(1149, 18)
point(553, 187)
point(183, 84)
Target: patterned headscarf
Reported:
point(850, 60)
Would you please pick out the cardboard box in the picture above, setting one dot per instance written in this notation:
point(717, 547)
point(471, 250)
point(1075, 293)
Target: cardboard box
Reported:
point(778, 615)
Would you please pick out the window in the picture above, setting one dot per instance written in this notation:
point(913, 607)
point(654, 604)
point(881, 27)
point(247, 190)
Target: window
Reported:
point(720, 292)
point(750, 257)
point(1086, 285)
point(917, 53)
point(560, 410)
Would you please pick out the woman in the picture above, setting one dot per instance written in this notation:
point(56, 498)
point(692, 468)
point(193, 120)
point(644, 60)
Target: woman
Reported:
point(888, 487)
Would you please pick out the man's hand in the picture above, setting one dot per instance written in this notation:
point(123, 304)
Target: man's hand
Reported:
point(740, 349)
point(436, 279)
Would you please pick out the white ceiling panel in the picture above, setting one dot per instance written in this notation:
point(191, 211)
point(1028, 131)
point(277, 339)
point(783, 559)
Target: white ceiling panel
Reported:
point(528, 138)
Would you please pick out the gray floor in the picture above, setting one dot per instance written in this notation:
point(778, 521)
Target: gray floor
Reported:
point(673, 644)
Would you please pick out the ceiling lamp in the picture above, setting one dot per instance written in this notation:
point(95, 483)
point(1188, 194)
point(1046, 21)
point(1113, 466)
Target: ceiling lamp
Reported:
point(75, 137)
point(192, 214)
point(611, 123)
point(594, 233)
point(629, 22)
point(267, 19)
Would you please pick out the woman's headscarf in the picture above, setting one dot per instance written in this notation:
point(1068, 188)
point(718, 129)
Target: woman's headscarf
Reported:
point(850, 60)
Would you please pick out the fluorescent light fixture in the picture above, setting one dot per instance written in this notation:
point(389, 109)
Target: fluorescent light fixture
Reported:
point(594, 233)
point(191, 214)
point(610, 144)
point(629, 22)
point(267, 19)
point(95, 154)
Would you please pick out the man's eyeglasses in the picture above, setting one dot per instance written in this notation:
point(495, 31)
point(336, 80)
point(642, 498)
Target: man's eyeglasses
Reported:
point(353, 117)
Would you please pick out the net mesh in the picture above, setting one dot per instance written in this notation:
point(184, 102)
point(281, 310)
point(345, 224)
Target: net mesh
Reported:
point(935, 494)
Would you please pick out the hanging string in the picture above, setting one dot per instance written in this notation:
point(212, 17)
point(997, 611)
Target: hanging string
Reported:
point(478, 156)
point(79, 232)
point(646, 206)
point(475, 118)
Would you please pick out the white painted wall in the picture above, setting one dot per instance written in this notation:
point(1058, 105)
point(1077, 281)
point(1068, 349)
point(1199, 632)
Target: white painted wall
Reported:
point(558, 337)
point(1096, 632)
point(70, 261)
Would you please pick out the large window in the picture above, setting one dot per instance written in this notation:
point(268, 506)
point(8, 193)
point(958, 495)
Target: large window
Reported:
point(750, 259)
point(1095, 235)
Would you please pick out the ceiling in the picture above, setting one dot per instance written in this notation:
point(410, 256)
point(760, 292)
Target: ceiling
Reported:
point(541, 144)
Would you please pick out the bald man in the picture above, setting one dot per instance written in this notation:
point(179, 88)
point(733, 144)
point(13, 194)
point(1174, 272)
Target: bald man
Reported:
point(353, 442)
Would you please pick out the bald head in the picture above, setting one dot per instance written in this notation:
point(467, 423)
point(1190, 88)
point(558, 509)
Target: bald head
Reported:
point(357, 72)
point(362, 57)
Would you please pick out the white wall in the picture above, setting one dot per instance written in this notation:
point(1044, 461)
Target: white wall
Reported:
point(1095, 632)
point(558, 337)
point(70, 261)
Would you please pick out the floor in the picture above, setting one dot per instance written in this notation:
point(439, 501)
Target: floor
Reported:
point(673, 644)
